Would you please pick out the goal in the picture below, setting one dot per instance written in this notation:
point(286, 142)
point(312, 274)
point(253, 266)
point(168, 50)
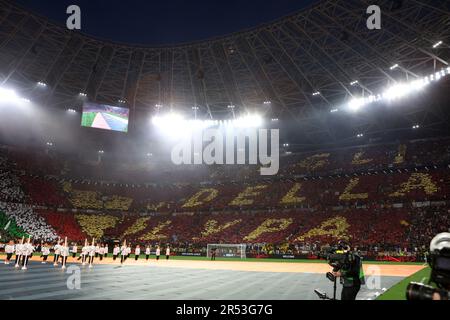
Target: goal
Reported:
point(227, 250)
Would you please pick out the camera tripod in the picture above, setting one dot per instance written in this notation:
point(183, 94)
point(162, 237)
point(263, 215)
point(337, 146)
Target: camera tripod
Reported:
point(323, 295)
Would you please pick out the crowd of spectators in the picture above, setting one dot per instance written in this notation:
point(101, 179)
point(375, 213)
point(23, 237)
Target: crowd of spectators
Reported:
point(9, 183)
point(26, 218)
point(386, 200)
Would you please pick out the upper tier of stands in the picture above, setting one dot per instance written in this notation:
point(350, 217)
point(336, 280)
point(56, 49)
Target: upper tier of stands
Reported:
point(408, 154)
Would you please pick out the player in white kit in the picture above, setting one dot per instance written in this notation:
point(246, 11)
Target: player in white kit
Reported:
point(158, 252)
point(65, 252)
point(147, 252)
point(9, 250)
point(92, 251)
point(45, 249)
point(18, 251)
point(57, 249)
point(137, 252)
point(167, 252)
point(27, 252)
point(116, 252)
point(74, 250)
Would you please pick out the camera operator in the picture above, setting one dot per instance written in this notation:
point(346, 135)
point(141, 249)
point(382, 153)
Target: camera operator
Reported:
point(351, 273)
point(439, 262)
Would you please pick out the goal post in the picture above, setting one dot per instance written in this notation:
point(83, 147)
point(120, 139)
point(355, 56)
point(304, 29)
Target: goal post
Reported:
point(227, 250)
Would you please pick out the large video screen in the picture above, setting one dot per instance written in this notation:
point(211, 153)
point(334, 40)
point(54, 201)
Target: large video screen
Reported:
point(105, 117)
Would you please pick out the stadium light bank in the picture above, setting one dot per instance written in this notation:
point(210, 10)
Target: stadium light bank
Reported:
point(396, 91)
point(220, 137)
point(10, 96)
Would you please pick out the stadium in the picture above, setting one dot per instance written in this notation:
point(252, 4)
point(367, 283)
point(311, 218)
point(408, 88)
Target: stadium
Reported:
point(359, 159)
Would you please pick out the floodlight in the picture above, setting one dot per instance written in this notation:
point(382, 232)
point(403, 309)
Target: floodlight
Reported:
point(355, 104)
point(437, 44)
point(168, 120)
point(419, 84)
point(395, 66)
point(437, 76)
point(8, 95)
point(396, 91)
point(248, 121)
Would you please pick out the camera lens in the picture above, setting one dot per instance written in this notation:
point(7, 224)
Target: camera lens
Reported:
point(418, 291)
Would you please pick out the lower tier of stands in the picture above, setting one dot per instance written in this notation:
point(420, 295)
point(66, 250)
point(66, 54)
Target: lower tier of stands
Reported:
point(388, 229)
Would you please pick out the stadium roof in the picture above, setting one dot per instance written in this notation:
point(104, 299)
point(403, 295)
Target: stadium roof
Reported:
point(304, 64)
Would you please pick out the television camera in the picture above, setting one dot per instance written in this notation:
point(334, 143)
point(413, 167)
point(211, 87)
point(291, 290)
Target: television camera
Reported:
point(440, 272)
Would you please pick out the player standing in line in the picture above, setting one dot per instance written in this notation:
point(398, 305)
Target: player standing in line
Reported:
point(116, 252)
point(123, 253)
point(65, 252)
point(9, 250)
point(105, 251)
point(45, 252)
point(92, 252)
point(158, 252)
point(137, 252)
point(27, 251)
point(84, 253)
point(101, 252)
point(97, 250)
point(57, 249)
point(167, 252)
point(74, 250)
point(128, 251)
point(30, 255)
point(18, 250)
point(147, 252)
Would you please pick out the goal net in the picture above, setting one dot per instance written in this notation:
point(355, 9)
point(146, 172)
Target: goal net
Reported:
point(227, 250)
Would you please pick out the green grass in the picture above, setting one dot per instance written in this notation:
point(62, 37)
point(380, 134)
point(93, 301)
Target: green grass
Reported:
point(88, 118)
point(398, 292)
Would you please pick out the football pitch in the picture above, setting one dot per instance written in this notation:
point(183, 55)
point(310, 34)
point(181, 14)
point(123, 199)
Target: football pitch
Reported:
point(197, 278)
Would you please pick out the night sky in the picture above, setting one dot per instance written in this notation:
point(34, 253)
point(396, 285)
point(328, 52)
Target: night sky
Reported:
point(151, 22)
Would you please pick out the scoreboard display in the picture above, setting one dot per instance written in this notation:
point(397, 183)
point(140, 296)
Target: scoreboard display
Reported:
point(105, 117)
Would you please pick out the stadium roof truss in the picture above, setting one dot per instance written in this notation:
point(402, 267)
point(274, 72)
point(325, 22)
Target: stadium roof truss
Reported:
point(322, 49)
